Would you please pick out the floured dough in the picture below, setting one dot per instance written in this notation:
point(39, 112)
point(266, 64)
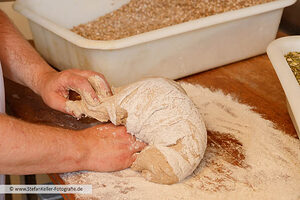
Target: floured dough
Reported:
point(158, 112)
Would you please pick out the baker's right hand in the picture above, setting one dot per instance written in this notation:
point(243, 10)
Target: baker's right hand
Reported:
point(109, 148)
point(54, 86)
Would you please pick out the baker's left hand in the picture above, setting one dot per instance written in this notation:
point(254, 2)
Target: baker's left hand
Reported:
point(54, 86)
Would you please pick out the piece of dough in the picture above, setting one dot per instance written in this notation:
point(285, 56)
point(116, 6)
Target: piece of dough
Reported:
point(158, 112)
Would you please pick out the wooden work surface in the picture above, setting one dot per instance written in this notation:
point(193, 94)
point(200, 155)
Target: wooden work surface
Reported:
point(253, 81)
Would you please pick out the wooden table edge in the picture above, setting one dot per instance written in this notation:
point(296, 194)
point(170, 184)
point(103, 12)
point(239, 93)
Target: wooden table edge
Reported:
point(57, 180)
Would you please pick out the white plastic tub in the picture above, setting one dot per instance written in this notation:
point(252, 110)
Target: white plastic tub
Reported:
point(276, 51)
point(171, 52)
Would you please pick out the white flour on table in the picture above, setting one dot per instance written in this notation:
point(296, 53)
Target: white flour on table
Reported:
point(268, 166)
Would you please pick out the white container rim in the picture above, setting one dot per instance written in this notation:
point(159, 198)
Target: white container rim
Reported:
point(151, 35)
point(276, 51)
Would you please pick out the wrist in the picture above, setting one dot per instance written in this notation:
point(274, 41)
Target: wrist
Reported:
point(41, 80)
point(81, 151)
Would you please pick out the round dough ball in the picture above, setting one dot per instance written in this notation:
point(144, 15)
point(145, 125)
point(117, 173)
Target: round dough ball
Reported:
point(158, 112)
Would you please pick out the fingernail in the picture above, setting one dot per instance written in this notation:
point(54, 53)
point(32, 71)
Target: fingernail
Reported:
point(137, 145)
point(134, 156)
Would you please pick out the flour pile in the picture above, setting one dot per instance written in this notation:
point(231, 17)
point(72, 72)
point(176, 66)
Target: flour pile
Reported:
point(246, 158)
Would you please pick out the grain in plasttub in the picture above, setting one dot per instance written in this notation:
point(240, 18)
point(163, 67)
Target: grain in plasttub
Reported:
point(140, 16)
point(293, 59)
point(173, 51)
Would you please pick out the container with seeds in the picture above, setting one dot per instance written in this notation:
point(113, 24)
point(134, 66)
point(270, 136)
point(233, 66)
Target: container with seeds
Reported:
point(133, 39)
point(293, 59)
point(284, 55)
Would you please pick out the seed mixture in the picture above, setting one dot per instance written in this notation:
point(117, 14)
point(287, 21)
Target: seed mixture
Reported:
point(140, 16)
point(293, 59)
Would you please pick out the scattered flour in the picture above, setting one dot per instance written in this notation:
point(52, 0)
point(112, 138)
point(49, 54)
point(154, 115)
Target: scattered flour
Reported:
point(114, 134)
point(265, 165)
point(100, 128)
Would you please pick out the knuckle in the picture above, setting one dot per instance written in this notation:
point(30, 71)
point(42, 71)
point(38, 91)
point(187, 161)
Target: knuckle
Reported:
point(122, 130)
point(74, 70)
point(101, 75)
point(82, 81)
point(64, 75)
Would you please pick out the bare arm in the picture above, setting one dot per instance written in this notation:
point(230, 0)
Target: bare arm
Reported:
point(27, 148)
point(22, 64)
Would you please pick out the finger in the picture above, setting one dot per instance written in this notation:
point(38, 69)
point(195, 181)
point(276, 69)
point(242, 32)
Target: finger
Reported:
point(57, 102)
point(130, 160)
point(100, 86)
point(133, 157)
point(138, 146)
point(88, 74)
point(81, 85)
point(121, 131)
point(107, 128)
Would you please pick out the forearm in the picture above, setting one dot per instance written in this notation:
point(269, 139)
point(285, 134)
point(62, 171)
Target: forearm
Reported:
point(27, 148)
point(20, 62)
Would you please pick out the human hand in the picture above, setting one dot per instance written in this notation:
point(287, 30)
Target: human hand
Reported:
point(54, 86)
point(109, 148)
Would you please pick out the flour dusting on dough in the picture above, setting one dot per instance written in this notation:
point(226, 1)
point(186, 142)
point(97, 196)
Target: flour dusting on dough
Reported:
point(158, 112)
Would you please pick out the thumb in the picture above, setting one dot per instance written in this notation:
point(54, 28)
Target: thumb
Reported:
point(133, 158)
point(56, 102)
